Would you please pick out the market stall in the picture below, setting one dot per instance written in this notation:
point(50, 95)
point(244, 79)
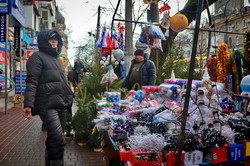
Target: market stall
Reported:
point(181, 121)
point(145, 127)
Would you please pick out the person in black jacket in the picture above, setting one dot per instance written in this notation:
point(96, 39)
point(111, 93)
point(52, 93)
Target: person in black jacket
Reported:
point(48, 93)
point(72, 78)
point(142, 71)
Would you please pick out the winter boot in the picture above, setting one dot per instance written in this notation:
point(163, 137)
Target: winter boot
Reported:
point(46, 158)
point(44, 127)
point(56, 162)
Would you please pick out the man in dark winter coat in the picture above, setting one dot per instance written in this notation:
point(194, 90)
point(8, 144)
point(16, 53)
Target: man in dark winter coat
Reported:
point(72, 78)
point(142, 71)
point(48, 93)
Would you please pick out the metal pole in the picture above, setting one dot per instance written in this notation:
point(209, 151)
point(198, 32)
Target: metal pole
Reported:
point(6, 64)
point(136, 21)
point(21, 63)
point(128, 47)
point(97, 57)
point(112, 25)
point(190, 78)
point(211, 30)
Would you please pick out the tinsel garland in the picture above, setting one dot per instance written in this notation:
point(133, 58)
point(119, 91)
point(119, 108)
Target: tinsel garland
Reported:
point(226, 66)
point(223, 57)
point(211, 64)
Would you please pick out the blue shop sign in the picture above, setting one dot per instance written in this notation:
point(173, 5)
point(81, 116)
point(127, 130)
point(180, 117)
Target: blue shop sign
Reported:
point(17, 10)
point(3, 2)
point(2, 47)
point(5, 7)
point(20, 82)
point(25, 36)
point(13, 7)
point(32, 47)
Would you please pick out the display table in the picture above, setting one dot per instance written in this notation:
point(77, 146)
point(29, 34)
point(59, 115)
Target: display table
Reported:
point(144, 128)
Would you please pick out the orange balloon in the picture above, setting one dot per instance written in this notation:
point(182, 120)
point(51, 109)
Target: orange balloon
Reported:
point(178, 22)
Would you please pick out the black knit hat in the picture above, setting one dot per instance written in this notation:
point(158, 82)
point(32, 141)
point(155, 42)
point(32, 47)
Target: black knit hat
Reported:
point(139, 52)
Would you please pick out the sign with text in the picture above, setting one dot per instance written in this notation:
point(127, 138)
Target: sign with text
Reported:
point(3, 2)
point(4, 7)
point(17, 37)
point(2, 63)
point(20, 82)
point(3, 27)
point(31, 49)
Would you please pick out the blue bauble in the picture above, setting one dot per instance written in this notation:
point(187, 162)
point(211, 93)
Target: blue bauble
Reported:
point(245, 84)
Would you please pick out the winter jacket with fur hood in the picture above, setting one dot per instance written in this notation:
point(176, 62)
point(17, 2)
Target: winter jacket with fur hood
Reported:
point(46, 84)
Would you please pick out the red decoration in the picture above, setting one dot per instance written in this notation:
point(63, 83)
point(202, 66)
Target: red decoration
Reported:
point(211, 64)
point(164, 8)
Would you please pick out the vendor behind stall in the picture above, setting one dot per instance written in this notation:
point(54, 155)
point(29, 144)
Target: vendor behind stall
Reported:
point(142, 71)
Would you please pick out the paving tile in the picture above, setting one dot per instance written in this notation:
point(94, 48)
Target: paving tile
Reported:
point(24, 144)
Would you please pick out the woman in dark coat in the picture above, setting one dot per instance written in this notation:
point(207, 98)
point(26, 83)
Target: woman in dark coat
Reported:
point(48, 93)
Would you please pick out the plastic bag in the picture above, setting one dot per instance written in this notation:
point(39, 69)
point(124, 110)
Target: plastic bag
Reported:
point(156, 32)
point(110, 76)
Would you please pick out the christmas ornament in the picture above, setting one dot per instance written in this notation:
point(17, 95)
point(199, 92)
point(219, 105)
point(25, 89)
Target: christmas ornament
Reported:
point(178, 22)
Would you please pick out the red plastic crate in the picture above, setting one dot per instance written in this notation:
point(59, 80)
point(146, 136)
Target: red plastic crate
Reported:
point(141, 158)
point(124, 155)
point(146, 158)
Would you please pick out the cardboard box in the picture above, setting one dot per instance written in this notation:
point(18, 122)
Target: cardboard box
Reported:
point(236, 152)
point(217, 155)
point(171, 158)
point(194, 157)
point(247, 149)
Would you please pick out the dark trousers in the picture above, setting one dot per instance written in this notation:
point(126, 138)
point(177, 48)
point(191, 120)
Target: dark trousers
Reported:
point(55, 120)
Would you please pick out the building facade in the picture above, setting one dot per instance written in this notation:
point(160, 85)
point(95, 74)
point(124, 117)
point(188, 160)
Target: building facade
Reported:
point(230, 21)
point(21, 20)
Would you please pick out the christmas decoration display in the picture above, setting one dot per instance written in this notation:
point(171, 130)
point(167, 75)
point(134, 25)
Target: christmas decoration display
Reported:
point(145, 126)
point(147, 122)
point(109, 42)
point(178, 22)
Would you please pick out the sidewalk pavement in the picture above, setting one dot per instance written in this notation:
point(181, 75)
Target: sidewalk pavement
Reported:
point(22, 143)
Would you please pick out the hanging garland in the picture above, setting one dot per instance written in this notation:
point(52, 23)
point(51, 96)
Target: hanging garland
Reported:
point(211, 64)
point(226, 66)
point(223, 57)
